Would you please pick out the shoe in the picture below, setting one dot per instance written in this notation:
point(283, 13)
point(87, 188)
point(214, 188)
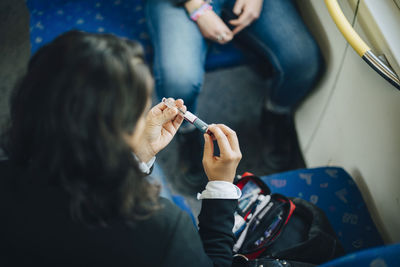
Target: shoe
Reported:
point(279, 132)
point(190, 146)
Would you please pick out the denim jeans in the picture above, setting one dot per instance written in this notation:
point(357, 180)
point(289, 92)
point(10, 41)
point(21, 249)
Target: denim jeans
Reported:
point(279, 36)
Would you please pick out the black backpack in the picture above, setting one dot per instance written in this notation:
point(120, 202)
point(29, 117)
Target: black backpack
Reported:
point(274, 230)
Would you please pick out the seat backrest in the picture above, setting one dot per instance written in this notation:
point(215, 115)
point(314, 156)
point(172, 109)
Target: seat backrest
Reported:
point(333, 190)
point(383, 256)
point(124, 18)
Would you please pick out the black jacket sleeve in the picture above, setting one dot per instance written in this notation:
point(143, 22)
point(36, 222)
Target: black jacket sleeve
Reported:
point(185, 248)
point(216, 221)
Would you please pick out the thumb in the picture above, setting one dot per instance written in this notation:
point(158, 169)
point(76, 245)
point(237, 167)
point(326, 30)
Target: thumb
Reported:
point(238, 7)
point(208, 147)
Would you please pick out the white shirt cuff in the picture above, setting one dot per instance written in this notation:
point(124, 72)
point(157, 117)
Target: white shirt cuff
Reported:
point(220, 190)
point(145, 167)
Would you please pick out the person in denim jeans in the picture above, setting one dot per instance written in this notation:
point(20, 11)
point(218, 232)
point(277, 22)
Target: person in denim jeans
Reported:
point(271, 28)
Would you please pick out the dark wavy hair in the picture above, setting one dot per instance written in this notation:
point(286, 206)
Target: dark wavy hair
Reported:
point(81, 93)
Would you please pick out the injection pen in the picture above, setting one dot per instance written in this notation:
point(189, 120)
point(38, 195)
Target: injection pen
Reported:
point(189, 116)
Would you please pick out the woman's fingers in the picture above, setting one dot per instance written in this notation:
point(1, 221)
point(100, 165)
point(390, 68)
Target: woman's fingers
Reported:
point(179, 119)
point(208, 147)
point(228, 36)
point(157, 114)
point(161, 106)
point(240, 23)
point(168, 115)
point(214, 28)
point(247, 12)
point(231, 136)
point(179, 103)
point(222, 168)
point(224, 37)
point(224, 34)
point(162, 114)
point(238, 7)
point(227, 33)
point(222, 140)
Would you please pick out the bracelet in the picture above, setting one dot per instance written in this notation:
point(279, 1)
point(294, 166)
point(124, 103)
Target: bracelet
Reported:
point(200, 11)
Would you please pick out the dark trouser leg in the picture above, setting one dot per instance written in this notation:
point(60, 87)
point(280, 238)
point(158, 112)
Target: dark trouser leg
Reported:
point(280, 37)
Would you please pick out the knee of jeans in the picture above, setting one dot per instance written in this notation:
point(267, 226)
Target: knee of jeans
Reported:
point(182, 84)
point(306, 65)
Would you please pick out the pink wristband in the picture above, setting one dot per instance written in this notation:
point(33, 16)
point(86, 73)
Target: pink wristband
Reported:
point(200, 11)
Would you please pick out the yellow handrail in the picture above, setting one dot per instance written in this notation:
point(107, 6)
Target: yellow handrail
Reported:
point(359, 45)
point(345, 27)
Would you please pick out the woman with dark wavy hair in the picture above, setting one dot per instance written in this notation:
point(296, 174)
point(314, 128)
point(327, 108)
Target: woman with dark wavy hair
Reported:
point(82, 139)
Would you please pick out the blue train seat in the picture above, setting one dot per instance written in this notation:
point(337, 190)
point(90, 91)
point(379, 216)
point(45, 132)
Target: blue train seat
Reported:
point(124, 18)
point(334, 191)
point(382, 256)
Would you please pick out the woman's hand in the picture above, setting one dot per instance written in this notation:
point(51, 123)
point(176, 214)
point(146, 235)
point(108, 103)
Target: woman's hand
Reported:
point(212, 27)
point(210, 24)
point(247, 12)
point(161, 125)
point(222, 168)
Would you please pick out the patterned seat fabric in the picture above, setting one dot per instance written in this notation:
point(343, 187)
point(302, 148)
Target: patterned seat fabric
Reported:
point(334, 191)
point(383, 256)
point(124, 18)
